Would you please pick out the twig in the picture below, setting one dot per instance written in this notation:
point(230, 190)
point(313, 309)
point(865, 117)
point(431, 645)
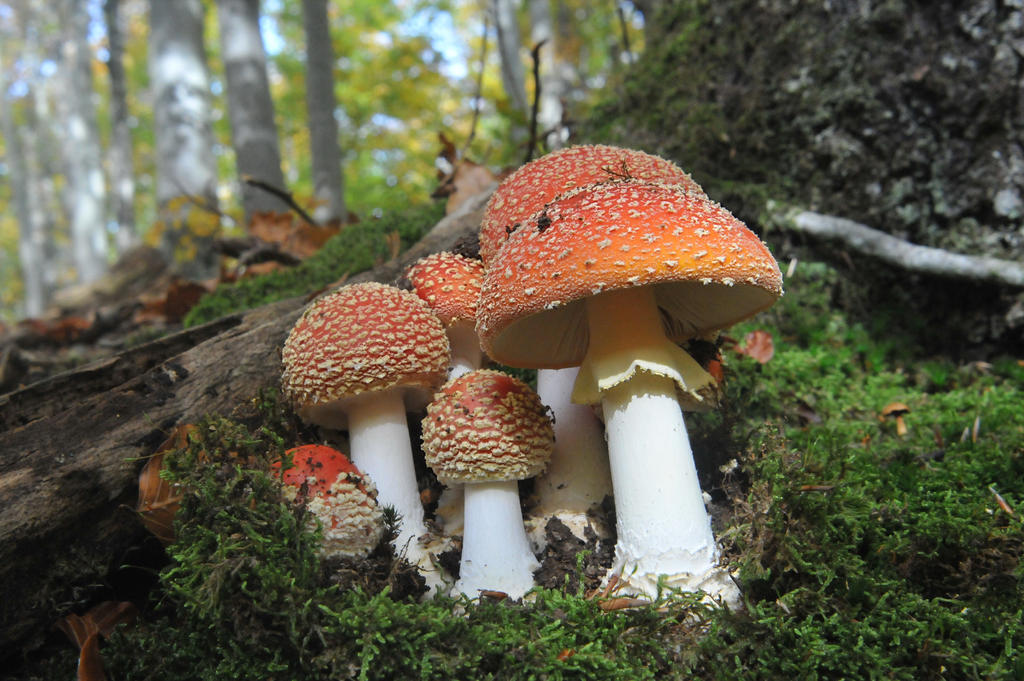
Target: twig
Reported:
point(282, 194)
point(535, 110)
point(902, 254)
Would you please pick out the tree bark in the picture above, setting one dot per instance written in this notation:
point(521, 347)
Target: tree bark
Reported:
point(71, 447)
point(186, 188)
point(85, 183)
point(122, 172)
point(328, 183)
point(250, 107)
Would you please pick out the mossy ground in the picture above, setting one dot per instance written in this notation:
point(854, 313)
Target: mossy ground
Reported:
point(862, 554)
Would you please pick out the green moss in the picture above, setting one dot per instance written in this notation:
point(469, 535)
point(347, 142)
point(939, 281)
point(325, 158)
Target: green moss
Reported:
point(861, 553)
point(358, 247)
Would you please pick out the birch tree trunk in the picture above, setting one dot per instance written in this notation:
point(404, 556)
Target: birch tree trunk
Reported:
point(509, 41)
point(250, 107)
point(186, 187)
point(553, 87)
point(31, 255)
point(85, 184)
point(122, 172)
point(328, 182)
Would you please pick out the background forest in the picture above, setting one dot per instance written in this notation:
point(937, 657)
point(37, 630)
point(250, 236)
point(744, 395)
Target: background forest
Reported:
point(127, 121)
point(865, 470)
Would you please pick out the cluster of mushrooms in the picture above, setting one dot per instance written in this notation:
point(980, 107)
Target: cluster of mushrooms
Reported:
point(597, 262)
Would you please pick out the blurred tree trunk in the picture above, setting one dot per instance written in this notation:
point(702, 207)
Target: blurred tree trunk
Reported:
point(186, 188)
point(122, 172)
point(553, 83)
point(328, 183)
point(509, 43)
point(84, 169)
point(31, 255)
point(250, 107)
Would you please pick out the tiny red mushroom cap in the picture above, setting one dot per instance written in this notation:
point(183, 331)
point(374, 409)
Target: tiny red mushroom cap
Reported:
point(450, 284)
point(486, 426)
point(531, 187)
point(362, 338)
point(338, 495)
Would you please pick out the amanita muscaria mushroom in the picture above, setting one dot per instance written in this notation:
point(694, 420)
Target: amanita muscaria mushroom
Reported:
point(356, 360)
point(450, 284)
point(530, 187)
point(487, 430)
point(602, 278)
point(578, 475)
point(337, 494)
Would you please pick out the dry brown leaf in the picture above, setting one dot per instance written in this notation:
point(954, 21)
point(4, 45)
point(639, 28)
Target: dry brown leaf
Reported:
point(468, 180)
point(291, 235)
point(758, 345)
point(159, 501)
point(180, 297)
point(622, 603)
point(85, 630)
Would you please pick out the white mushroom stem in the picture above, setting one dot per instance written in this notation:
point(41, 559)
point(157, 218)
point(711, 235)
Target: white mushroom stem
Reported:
point(381, 448)
point(466, 352)
point(664, 530)
point(577, 477)
point(495, 553)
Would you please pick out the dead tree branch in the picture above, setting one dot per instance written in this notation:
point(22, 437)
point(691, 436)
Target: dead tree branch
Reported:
point(898, 252)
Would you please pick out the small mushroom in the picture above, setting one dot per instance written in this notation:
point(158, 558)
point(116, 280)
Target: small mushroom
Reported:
point(339, 496)
point(450, 284)
point(487, 430)
point(357, 360)
point(897, 410)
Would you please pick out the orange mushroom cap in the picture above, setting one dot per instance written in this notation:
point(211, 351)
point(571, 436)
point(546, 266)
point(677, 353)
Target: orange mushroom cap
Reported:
point(362, 338)
point(707, 269)
point(450, 284)
point(486, 426)
point(529, 188)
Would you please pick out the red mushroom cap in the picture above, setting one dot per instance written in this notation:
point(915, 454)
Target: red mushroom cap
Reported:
point(338, 495)
point(709, 271)
point(486, 426)
point(528, 189)
point(450, 284)
point(362, 338)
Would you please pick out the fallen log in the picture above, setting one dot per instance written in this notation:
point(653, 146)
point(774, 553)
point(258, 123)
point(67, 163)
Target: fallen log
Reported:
point(71, 446)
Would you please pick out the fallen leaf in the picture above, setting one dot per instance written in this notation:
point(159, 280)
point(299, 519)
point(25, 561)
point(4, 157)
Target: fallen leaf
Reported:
point(180, 297)
point(290, 234)
point(758, 345)
point(468, 180)
point(622, 603)
point(158, 500)
point(85, 630)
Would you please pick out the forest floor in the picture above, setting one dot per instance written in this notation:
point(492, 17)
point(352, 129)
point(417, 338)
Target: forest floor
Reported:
point(862, 550)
